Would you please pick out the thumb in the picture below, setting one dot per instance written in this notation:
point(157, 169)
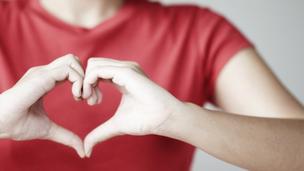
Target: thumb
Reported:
point(63, 136)
point(103, 132)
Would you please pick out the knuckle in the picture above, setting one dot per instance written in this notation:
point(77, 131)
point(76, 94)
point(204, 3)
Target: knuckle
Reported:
point(72, 141)
point(91, 60)
point(66, 66)
point(97, 69)
point(89, 140)
point(128, 71)
point(133, 63)
point(91, 70)
point(134, 66)
point(33, 69)
point(36, 69)
point(70, 58)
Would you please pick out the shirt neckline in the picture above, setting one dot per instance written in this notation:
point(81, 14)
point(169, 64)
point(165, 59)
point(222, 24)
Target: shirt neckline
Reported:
point(125, 11)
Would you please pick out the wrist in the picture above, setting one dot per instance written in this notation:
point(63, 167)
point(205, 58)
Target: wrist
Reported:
point(3, 135)
point(178, 121)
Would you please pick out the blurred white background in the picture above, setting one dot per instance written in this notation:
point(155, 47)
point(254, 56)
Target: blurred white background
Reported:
point(277, 30)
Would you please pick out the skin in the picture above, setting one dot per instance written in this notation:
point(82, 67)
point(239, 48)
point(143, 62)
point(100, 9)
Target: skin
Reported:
point(21, 107)
point(84, 13)
point(263, 142)
point(261, 127)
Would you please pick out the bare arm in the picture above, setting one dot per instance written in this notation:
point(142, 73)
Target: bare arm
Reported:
point(247, 86)
point(249, 142)
point(267, 133)
point(22, 113)
point(254, 141)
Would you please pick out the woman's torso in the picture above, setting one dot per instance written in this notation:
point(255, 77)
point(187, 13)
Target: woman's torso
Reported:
point(166, 41)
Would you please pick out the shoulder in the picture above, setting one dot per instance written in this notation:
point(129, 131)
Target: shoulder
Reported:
point(13, 4)
point(11, 9)
point(181, 13)
point(10, 12)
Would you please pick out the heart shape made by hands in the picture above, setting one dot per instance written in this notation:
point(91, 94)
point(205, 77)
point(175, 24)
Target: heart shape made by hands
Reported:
point(144, 109)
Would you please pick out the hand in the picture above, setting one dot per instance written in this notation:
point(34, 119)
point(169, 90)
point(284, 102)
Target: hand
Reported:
point(22, 115)
point(144, 106)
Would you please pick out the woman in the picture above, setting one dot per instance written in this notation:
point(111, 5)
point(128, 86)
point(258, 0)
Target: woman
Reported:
point(189, 55)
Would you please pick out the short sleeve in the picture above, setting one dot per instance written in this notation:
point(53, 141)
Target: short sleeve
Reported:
point(9, 8)
point(1, 13)
point(4, 7)
point(2, 23)
point(220, 41)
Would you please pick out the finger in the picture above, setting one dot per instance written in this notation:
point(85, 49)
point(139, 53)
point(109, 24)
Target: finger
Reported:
point(92, 63)
point(107, 61)
point(96, 95)
point(37, 80)
point(101, 62)
point(99, 95)
point(73, 62)
point(87, 90)
point(63, 136)
point(104, 132)
point(124, 66)
point(41, 81)
point(66, 72)
point(77, 66)
point(111, 61)
point(77, 80)
point(116, 74)
point(70, 60)
point(92, 100)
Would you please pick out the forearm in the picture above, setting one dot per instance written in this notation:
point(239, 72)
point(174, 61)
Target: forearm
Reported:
point(252, 143)
point(1, 124)
point(3, 135)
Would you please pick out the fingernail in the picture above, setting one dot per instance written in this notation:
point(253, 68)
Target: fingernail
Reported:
point(90, 102)
point(99, 101)
point(77, 98)
point(89, 154)
point(85, 95)
point(80, 153)
point(82, 156)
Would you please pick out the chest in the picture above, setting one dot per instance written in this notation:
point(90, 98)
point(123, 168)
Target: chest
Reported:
point(170, 61)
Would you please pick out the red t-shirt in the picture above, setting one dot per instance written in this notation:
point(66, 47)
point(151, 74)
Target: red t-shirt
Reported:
point(182, 48)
